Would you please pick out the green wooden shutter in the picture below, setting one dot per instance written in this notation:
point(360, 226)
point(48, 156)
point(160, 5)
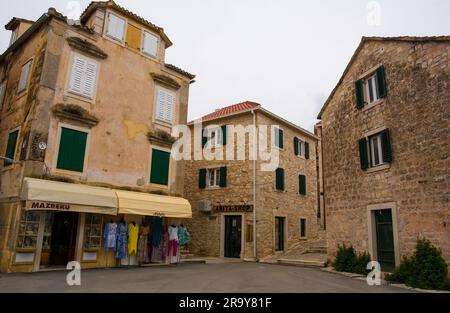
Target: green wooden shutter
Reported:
point(296, 150)
point(72, 149)
point(302, 184)
point(224, 134)
point(363, 154)
point(160, 167)
point(359, 87)
point(223, 177)
point(382, 85)
point(307, 150)
point(202, 179)
point(11, 147)
point(280, 179)
point(204, 137)
point(281, 138)
point(386, 146)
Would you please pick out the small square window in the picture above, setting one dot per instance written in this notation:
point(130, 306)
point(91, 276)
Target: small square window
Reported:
point(116, 27)
point(213, 177)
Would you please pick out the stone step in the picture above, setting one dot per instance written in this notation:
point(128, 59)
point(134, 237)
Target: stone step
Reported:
point(302, 263)
point(193, 261)
point(322, 250)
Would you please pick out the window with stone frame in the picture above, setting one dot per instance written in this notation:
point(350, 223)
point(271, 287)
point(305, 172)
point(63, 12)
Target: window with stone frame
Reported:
point(213, 177)
point(375, 150)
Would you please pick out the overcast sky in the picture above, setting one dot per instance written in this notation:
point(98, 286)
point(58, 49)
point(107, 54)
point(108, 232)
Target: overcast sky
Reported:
point(284, 54)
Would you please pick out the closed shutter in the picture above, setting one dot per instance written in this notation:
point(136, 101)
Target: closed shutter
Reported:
point(302, 184)
point(72, 149)
point(23, 82)
point(150, 44)
point(359, 87)
point(224, 134)
point(249, 233)
point(303, 228)
point(204, 137)
point(281, 138)
point(386, 146)
point(11, 147)
point(134, 37)
point(202, 179)
point(165, 105)
point(116, 27)
point(363, 154)
point(382, 85)
point(160, 167)
point(83, 77)
point(223, 177)
point(307, 150)
point(296, 146)
point(279, 179)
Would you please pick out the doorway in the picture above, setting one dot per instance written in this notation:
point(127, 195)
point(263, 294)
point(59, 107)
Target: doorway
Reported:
point(279, 233)
point(233, 237)
point(62, 243)
point(385, 239)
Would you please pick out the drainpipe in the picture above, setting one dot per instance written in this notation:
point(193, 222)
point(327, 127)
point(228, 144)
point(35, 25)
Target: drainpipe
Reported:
point(254, 185)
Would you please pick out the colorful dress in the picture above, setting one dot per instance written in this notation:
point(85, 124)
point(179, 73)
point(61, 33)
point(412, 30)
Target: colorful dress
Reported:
point(121, 241)
point(133, 236)
point(110, 235)
point(183, 236)
point(143, 245)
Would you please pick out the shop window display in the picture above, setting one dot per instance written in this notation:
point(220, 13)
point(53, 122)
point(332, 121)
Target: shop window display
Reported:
point(28, 230)
point(93, 232)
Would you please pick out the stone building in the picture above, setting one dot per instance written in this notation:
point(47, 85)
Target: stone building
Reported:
point(386, 149)
point(87, 110)
point(234, 197)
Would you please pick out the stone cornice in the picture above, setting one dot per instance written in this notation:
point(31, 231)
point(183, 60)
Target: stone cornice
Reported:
point(165, 80)
point(87, 47)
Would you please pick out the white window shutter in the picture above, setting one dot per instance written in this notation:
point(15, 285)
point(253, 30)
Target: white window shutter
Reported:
point(150, 44)
point(24, 77)
point(90, 79)
point(83, 77)
point(77, 74)
point(116, 27)
point(165, 105)
point(170, 99)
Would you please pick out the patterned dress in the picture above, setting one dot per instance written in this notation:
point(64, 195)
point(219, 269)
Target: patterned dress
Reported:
point(121, 241)
point(110, 235)
point(143, 245)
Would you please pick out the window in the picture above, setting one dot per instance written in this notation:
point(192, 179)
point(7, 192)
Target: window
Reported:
point(72, 150)
point(13, 37)
point(165, 105)
point(160, 167)
point(11, 147)
point(24, 75)
point(302, 185)
point(150, 45)
point(2, 94)
point(215, 137)
point(298, 147)
point(303, 228)
point(83, 76)
point(213, 177)
point(375, 150)
point(279, 178)
point(372, 88)
point(28, 230)
point(116, 27)
point(278, 136)
point(93, 231)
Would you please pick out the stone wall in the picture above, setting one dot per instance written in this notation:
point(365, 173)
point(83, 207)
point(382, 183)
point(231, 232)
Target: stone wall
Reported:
point(416, 110)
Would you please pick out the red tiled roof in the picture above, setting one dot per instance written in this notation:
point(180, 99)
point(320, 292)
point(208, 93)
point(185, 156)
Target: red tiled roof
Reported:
point(244, 106)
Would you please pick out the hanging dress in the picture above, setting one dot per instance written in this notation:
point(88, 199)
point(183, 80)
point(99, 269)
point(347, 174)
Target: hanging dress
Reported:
point(133, 236)
point(183, 235)
point(143, 245)
point(121, 241)
point(110, 235)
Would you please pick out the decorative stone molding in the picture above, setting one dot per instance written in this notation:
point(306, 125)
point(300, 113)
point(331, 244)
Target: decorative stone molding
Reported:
point(165, 80)
point(87, 47)
point(160, 137)
point(75, 113)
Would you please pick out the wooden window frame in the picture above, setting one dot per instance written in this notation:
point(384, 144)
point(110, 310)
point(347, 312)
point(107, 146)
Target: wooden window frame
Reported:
point(18, 129)
point(149, 183)
point(24, 91)
point(106, 28)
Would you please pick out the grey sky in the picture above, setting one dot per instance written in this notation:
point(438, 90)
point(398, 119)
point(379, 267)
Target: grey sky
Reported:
point(286, 54)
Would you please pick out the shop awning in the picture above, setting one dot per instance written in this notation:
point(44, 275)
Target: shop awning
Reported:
point(146, 204)
point(57, 196)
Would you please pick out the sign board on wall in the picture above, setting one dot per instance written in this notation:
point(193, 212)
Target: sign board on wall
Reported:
point(244, 208)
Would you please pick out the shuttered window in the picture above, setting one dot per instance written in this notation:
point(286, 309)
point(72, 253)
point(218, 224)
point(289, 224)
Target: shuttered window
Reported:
point(24, 76)
point(279, 177)
point(116, 27)
point(150, 44)
point(303, 228)
point(278, 137)
point(302, 184)
point(83, 76)
point(165, 103)
point(375, 150)
point(72, 150)
point(307, 150)
point(160, 167)
point(371, 89)
point(202, 178)
point(11, 147)
point(134, 37)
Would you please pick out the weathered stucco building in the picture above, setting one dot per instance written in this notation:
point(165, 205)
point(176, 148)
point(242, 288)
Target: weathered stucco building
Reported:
point(236, 197)
point(91, 104)
point(386, 149)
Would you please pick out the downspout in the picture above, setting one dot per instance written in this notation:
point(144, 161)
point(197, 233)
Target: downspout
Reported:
point(254, 185)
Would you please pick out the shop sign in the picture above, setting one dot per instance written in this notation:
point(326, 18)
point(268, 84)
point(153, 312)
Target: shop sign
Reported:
point(38, 205)
point(233, 208)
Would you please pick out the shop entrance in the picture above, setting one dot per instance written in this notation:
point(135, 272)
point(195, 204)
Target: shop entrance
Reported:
point(60, 236)
point(233, 236)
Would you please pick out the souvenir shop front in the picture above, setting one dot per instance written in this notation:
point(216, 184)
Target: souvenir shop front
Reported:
point(98, 227)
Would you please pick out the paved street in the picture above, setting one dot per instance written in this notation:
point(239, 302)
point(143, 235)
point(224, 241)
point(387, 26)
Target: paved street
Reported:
point(196, 278)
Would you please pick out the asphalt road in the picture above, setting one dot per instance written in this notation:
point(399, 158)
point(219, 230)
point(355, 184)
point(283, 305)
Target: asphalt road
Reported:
point(195, 278)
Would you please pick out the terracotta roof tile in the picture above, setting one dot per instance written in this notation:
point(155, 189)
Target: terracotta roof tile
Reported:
point(244, 106)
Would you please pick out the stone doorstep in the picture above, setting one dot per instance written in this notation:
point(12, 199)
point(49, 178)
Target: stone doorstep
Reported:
point(383, 282)
point(299, 262)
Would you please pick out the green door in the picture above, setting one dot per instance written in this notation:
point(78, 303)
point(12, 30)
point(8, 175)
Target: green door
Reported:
point(233, 236)
point(279, 233)
point(385, 240)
